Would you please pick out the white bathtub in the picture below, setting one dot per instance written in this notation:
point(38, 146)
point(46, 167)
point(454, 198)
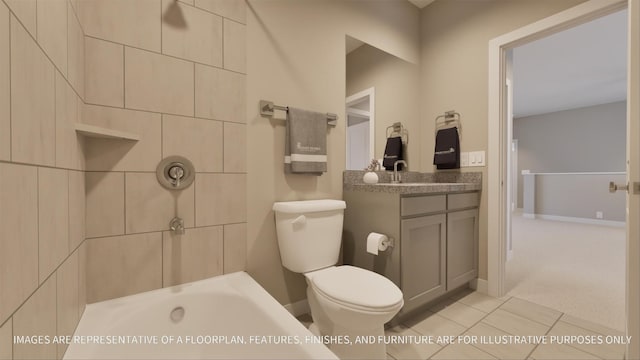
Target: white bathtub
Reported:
point(225, 317)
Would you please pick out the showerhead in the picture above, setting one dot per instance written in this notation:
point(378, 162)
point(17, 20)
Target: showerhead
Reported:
point(174, 17)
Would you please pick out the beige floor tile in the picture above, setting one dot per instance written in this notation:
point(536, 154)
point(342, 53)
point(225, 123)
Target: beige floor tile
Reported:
point(435, 325)
point(515, 324)
point(600, 329)
point(460, 352)
point(481, 301)
point(461, 313)
point(409, 351)
point(559, 352)
point(487, 336)
point(6, 340)
point(603, 351)
point(529, 310)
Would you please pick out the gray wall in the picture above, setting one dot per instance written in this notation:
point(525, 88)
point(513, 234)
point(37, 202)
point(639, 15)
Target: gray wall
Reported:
point(590, 139)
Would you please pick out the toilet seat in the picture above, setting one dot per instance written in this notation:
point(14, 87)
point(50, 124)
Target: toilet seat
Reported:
point(357, 288)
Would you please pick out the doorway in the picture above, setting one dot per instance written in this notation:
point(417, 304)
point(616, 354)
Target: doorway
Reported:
point(569, 115)
point(360, 110)
point(499, 142)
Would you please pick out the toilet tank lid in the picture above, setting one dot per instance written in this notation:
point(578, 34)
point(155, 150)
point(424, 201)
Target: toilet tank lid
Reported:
point(308, 206)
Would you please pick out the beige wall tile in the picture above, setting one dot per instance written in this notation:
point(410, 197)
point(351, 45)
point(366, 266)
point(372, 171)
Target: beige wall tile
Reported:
point(105, 204)
point(196, 255)
point(150, 207)
point(76, 63)
point(5, 90)
point(69, 148)
point(158, 83)
point(37, 317)
point(67, 299)
point(53, 219)
point(235, 45)
point(52, 31)
point(18, 235)
point(220, 94)
point(235, 247)
point(135, 23)
point(25, 10)
point(196, 139)
point(138, 259)
point(82, 278)
point(200, 40)
point(190, 2)
point(104, 76)
point(120, 155)
point(6, 340)
point(32, 101)
point(77, 216)
point(232, 9)
point(235, 148)
point(220, 199)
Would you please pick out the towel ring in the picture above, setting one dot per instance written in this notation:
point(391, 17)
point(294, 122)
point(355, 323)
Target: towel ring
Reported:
point(449, 117)
point(398, 130)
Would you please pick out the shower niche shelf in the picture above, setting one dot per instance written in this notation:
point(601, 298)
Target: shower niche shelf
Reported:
point(104, 133)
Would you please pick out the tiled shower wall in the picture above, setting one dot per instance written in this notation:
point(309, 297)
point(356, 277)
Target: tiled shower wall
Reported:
point(118, 64)
point(42, 194)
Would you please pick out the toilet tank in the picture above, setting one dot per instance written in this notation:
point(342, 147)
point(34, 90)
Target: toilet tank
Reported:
point(309, 233)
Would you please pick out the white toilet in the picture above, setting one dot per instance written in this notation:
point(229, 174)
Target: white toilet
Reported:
point(345, 301)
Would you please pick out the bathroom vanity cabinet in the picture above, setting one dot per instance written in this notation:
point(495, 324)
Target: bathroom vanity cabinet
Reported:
point(435, 240)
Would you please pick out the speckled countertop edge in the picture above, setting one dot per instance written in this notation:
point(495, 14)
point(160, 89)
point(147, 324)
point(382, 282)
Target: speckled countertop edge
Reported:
point(433, 183)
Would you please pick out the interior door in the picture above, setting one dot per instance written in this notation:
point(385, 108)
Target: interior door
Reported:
point(633, 179)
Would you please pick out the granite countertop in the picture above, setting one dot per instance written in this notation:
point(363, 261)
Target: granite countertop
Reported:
point(416, 188)
point(415, 182)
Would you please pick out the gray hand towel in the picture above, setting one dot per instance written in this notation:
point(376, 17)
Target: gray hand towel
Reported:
point(305, 142)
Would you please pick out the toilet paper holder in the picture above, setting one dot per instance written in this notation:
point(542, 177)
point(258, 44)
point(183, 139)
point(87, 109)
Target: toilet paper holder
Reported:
point(377, 242)
point(389, 242)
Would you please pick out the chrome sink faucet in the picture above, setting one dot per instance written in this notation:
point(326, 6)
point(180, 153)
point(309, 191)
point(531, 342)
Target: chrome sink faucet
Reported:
point(395, 177)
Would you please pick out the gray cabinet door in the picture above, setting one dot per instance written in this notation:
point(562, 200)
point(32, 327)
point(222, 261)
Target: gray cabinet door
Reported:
point(462, 247)
point(423, 253)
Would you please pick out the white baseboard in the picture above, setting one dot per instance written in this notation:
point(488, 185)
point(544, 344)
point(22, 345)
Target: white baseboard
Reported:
point(579, 220)
point(298, 308)
point(479, 285)
point(528, 216)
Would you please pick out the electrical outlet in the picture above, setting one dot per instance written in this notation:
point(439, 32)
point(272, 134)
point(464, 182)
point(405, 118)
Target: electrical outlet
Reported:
point(599, 215)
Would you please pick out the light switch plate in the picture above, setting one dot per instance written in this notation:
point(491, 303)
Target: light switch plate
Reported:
point(464, 159)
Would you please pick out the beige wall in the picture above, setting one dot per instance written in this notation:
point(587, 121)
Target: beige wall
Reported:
point(397, 84)
point(296, 57)
point(84, 219)
point(183, 91)
point(41, 174)
point(454, 61)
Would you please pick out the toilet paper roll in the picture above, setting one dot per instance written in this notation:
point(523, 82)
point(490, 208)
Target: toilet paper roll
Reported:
point(376, 242)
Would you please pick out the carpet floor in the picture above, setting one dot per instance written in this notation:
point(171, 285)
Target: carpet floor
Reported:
point(578, 269)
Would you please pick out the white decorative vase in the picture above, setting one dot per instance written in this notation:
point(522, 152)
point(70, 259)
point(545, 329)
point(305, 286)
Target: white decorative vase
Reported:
point(370, 178)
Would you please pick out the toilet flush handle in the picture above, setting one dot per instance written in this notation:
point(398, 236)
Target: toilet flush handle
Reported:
point(300, 220)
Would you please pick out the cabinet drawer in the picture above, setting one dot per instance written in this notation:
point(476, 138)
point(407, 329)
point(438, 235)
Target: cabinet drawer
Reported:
point(461, 201)
point(423, 205)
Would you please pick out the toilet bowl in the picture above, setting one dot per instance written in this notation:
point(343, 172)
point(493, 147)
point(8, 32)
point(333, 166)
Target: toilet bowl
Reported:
point(349, 305)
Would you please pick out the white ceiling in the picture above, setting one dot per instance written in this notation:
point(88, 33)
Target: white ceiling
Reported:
point(582, 66)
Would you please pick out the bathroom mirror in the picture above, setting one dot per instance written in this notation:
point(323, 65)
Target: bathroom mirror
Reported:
point(381, 89)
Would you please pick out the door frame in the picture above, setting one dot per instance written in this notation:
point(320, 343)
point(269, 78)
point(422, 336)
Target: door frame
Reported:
point(499, 142)
point(354, 99)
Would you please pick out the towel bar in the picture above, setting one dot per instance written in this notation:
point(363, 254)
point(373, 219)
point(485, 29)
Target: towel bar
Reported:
point(267, 109)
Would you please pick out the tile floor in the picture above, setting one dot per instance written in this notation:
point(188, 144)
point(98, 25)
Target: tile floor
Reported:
point(471, 314)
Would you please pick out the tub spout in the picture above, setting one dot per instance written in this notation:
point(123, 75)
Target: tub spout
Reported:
point(177, 226)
